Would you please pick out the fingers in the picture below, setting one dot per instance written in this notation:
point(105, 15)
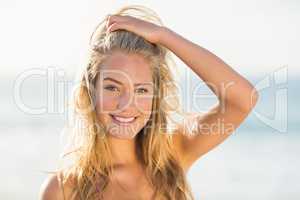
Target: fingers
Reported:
point(115, 26)
point(115, 22)
point(113, 19)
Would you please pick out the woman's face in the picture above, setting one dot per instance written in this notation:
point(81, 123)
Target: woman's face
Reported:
point(124, 94)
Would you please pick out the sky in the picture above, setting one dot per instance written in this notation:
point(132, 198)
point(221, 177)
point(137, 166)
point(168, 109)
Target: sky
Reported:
point(253, 37)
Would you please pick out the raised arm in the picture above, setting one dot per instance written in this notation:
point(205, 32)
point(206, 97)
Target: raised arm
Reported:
point(236, 98)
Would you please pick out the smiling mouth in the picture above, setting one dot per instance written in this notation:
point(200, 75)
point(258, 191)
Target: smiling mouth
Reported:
point(123, 120)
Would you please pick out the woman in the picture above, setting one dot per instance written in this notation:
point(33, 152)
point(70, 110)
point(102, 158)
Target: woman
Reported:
point(125, 149)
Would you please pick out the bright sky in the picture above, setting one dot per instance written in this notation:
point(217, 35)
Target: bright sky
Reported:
point(251, 36)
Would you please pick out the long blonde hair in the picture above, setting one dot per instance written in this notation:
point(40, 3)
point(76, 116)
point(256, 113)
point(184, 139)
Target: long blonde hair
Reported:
point(92, 169)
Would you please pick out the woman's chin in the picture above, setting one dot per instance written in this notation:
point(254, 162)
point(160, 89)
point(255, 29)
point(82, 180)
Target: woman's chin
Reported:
point(122, 135)
point(122, 132)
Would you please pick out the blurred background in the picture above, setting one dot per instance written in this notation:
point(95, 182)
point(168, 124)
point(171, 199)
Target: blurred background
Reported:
point(43, 44)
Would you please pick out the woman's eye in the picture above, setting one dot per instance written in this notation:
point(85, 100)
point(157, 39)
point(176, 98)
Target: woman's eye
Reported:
point(115, 89)
point(111, 88)
point(142, 90)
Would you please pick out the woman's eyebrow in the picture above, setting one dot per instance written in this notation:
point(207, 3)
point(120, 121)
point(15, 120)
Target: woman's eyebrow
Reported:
point(120, 83)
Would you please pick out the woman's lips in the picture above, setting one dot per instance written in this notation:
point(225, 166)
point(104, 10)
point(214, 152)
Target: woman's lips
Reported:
point(122, 120)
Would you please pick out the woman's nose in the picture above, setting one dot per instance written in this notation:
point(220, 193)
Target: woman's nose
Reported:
point(125, 100)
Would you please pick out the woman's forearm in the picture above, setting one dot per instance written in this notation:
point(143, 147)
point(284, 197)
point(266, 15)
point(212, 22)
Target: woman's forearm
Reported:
point(226, 83)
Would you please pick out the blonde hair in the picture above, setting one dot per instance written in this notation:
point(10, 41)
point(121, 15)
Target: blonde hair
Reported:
point(92, 169)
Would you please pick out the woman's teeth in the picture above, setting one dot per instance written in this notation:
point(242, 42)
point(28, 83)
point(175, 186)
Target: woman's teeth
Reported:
point(124, 120)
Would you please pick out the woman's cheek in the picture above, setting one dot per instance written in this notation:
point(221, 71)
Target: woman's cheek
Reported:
point(106, 104)
point(144, 105)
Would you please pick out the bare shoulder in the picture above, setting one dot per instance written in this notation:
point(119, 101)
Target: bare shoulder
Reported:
point(54, 189)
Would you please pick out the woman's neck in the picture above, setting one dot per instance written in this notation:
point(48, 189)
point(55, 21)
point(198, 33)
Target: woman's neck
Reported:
point(123, 151)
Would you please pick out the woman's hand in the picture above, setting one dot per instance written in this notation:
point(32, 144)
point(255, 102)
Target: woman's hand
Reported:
point(149, 31)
